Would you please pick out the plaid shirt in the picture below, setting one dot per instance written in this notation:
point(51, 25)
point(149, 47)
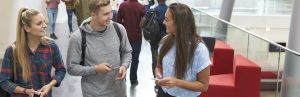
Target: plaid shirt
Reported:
point(41, 62)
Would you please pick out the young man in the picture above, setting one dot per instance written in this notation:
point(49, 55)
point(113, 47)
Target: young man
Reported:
point(107, 56)
point(130, 14)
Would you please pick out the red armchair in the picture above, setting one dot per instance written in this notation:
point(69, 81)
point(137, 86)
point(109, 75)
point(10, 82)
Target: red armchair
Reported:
point(244, 81)
point(222, 60)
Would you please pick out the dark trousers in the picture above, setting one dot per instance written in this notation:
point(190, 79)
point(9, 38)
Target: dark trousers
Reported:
point(136, 49)
point(154, 52)
point(161, 93)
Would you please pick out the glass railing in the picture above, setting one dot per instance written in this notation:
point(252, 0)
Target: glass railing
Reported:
point(253, 7)
point(270, 56)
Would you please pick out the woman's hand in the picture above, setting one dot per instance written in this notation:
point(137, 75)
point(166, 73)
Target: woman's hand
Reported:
point(45, 90)
point(168, 82)
point(158, 75)
point(30, 92)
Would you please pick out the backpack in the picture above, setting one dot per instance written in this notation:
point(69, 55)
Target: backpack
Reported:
point(151, 28)
point(83, 42)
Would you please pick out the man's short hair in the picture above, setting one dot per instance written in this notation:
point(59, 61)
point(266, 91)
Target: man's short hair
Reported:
point(95, 5)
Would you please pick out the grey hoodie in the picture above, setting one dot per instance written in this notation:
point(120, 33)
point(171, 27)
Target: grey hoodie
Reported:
point(101, 47)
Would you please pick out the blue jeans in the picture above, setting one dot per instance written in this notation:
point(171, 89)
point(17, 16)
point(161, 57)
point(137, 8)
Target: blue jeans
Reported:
point(115, 13)
point(52, 15)
point(70, 13)
point(136, 49)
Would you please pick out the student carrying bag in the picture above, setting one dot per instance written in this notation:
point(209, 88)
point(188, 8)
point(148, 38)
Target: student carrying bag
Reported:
point(83, 42)
point(151, 28)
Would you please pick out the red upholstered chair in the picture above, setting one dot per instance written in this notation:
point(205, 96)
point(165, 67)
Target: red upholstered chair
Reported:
point(222, 59)
point(244, 81)
point(270, 74)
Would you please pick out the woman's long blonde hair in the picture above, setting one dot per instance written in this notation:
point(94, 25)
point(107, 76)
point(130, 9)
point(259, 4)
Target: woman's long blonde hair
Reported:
point(20, 52)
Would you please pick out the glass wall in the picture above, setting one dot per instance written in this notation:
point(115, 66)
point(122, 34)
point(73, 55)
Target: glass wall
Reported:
point(265, 53)
point(266, 7)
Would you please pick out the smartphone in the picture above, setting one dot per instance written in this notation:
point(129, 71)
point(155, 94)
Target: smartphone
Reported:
point(35, 95)
point(117, 67)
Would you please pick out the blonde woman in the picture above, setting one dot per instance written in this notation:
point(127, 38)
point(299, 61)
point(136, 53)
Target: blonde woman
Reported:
point(27, 63)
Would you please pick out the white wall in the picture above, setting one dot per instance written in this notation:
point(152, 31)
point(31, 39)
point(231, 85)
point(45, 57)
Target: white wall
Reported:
point(8, 17)
point(275, 28)
point(9, 10)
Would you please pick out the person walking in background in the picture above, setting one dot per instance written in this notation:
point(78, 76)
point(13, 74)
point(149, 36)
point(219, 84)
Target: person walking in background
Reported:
point(183, 60)
point(70, 7)
point(148, 6)
point(52, 10)
point(104, 60)
point(159, 11)
point(82, 10)
point(27, 63)
point(115, 7)
point(130, 14)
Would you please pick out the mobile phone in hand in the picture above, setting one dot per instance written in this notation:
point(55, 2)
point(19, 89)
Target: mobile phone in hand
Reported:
point(35, 95)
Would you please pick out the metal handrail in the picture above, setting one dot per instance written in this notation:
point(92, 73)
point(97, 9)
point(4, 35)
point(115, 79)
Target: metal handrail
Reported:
point(273, 43)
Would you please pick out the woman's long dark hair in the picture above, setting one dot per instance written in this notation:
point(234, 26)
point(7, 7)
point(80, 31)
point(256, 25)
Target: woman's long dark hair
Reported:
point(186, 38)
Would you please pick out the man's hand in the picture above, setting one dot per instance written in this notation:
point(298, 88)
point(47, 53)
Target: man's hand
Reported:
point(122, 73)
point(103, 68)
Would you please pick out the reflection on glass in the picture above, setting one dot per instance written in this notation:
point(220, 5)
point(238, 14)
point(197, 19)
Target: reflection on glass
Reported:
point(271, 58)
